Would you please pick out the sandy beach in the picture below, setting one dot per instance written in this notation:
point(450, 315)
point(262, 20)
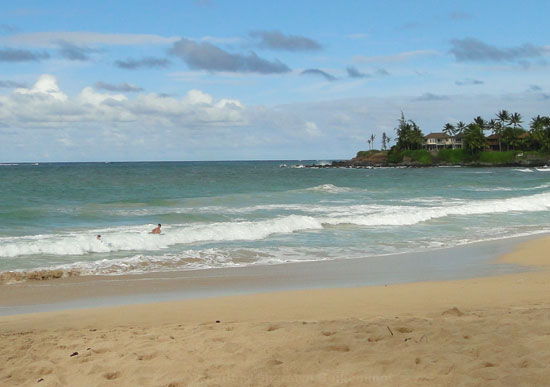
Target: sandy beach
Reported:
point(479, 331)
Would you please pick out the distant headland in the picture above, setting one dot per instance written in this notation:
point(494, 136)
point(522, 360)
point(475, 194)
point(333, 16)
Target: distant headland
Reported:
point(508, 145)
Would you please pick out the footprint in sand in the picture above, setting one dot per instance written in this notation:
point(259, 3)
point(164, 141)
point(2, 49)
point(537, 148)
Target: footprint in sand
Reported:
point(374, 339)
point(111, 375)
point(148, 356)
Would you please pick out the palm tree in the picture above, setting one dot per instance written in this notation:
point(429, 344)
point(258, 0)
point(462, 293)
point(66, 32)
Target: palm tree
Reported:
point(515, 120)
point(480, 122)
point(385, 140)
point(474, 139)
point(460, 127)
point(372, 137)
point(503, 117)
point(540, 131)
point(449, 129)
point(491, 125)
point(369, 141)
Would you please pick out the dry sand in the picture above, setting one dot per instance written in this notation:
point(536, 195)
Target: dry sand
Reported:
point(482, 331)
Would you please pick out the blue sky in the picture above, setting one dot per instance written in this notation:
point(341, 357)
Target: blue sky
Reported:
point(233, 80)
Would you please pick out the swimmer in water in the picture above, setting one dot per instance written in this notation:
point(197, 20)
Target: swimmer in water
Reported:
point(98, 237)
point(156, 230)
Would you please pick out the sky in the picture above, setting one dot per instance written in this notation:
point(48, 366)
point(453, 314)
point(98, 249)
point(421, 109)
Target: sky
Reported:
point(257, 80)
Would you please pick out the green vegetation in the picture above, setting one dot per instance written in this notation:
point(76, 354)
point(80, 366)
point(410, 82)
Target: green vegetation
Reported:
point(409, 135)
point(508, 144)
point(366, 154)
point(498, 157)
point(474, 140)
point(454, 156)
point(420, 156)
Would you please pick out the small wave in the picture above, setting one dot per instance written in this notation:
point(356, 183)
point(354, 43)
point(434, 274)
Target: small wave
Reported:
point(298, 166)
point(329, 188)
point(7, 164)
point(507, 189)
point(526, 170)
point(544, 169)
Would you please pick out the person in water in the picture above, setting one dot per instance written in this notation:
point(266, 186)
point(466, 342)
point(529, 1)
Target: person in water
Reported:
point(156, 230)
point(98, 237)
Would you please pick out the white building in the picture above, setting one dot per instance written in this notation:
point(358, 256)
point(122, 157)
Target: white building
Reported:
point(438, 141)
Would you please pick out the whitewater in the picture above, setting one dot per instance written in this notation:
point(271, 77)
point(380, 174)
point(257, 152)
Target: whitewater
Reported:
point(230, 214)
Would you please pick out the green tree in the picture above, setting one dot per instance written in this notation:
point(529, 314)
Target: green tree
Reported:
point(480, 121)
point(460, 127)
point(502, 118)
point(372, 137)
point(409, 135)
point(385, 141)
point(449, 129)
point(474, 139)
point(511, 137)
point(515, 120)
point(540, 131)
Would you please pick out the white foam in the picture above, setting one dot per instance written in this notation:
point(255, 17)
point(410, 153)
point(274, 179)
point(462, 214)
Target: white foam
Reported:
point(136, 239)
point(409, 215)
point(139, 238)
point(217, 258)
point(491, 189)
point(329, 188)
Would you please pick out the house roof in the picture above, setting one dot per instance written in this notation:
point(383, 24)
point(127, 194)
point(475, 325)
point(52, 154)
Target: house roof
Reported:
point(436, 135)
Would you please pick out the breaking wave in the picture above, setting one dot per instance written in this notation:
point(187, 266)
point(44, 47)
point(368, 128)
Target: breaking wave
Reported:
point(139, 239)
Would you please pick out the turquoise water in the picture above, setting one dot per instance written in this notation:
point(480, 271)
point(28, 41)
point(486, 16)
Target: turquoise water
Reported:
point(219, 214)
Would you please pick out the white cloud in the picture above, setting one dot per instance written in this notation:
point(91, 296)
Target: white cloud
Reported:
point(45, 86)
point(93, 125)
point(45, 105)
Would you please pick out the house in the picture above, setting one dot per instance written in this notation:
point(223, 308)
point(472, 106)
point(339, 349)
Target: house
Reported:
point(438, 141)
point(493, 141)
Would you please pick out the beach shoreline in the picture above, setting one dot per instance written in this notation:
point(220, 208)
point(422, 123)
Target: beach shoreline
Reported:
point(478, 331)
point(458, 262)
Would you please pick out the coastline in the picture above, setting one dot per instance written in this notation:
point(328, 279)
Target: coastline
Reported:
point(458, 262)
point(478, 331)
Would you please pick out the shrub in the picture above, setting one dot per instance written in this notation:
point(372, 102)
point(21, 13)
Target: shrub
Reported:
point(395, 156)
point(453, 156)
point(365, 154)
point(421, 156)
point(498, 157)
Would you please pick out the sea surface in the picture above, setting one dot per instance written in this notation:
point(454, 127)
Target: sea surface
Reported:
point(224, 214)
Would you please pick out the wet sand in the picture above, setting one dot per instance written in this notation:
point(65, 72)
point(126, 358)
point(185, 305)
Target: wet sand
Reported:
point(479, 331)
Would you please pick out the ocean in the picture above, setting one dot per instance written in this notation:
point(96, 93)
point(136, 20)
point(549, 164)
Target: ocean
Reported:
point(232, 214)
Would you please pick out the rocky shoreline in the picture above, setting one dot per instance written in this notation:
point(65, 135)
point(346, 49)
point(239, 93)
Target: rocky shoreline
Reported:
point(368, 164)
